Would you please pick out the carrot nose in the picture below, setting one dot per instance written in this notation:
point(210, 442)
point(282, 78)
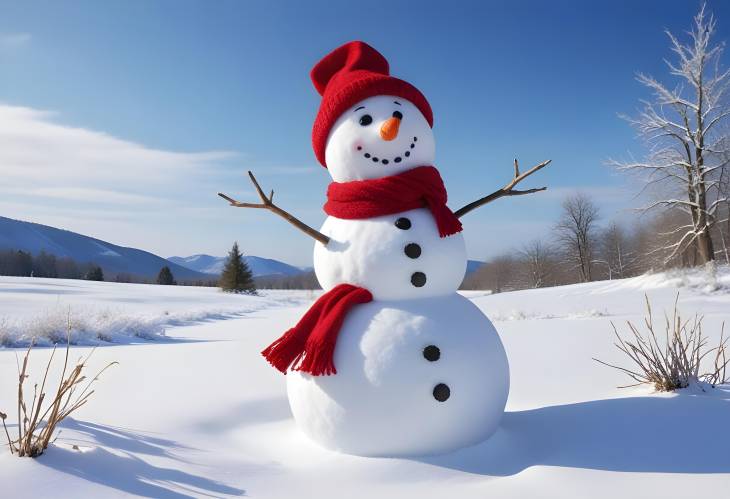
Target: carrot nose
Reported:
point(389, 129)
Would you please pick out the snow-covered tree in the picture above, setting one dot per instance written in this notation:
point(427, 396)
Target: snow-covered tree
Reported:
point(684, 127)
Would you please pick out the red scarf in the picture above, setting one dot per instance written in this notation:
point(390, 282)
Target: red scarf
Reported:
point(310, 345)
point(417, 188)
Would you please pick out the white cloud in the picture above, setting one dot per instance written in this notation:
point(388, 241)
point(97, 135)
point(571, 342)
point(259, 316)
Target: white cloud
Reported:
point(44, 160)
point(85, 194)
point(78, 178)
point(14, 40)
point(35, 149)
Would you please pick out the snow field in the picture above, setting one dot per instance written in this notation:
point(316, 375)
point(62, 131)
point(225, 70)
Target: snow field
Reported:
point(203, 415)
point(101, 312)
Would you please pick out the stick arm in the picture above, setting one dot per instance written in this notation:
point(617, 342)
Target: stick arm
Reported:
point(267, 203)
point(507, 190)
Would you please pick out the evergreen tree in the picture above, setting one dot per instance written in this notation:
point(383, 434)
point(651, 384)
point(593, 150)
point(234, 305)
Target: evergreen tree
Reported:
point(68, 268)
point(44, 265)
point(236, 276)
point(23, 263)
point(16, 263)
point(165, 276)
point(95, 274)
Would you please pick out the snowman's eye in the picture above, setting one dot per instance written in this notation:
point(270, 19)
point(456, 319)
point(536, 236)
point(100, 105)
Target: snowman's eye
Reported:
point(366, 119)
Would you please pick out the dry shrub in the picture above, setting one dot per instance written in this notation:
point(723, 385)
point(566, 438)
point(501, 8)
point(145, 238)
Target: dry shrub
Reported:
point(37, 424)
point(677, 364)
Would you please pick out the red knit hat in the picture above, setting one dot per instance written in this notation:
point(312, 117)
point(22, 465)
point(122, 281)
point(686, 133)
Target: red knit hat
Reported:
point(349, 74)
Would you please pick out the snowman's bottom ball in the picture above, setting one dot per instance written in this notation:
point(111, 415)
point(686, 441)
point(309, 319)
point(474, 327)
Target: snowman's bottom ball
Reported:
point(414, 377)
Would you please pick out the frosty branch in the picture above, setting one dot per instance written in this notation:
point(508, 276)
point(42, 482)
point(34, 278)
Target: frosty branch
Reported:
point(267, 203)
point(507, 190)
point(685, 129)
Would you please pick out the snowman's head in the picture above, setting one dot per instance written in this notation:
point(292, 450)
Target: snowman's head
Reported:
point(377, 137)
point(369, 124)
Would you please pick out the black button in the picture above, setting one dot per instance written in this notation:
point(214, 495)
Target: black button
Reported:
point(418, 279)
point(441, 392)
point(403, 223)
point(432, 353)
point(412, 250)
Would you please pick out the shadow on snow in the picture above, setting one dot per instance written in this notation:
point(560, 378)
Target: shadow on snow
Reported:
point(124, 470)
point(683, 433)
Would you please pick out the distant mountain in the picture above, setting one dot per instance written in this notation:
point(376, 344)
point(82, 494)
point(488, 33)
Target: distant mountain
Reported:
point(201, 263)
point(31, 237)
point(259, 266)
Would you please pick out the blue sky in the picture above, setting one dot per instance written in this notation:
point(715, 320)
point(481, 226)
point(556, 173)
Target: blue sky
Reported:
point(123, 119)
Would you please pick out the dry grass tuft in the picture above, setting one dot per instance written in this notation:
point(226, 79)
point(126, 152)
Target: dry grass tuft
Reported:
point(677, 364)
point(37, 424)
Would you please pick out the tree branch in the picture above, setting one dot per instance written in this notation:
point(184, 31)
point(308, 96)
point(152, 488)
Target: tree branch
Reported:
point(507, 190)
point(267, 203)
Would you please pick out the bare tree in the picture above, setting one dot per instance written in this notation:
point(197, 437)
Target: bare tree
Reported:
point(683, 129)
point(537, 264)
point(576, 233)
point(616, 252)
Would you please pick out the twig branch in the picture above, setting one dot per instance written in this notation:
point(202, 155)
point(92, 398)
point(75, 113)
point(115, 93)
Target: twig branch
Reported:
point(37, 427)
point(507, 190)
point(267, 203)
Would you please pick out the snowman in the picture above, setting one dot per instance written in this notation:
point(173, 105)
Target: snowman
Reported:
point(390, 360)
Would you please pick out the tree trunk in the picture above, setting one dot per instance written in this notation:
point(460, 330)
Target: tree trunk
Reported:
point(705, 248)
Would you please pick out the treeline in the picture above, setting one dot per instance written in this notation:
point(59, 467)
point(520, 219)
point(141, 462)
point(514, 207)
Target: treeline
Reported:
point(165, 277)
point(20, 263)
point(305, 280)
point(24, 264)
point(581, 249)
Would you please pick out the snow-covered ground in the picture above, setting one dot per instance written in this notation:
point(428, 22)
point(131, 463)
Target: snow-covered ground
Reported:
point(101, 313)
point(196, 411)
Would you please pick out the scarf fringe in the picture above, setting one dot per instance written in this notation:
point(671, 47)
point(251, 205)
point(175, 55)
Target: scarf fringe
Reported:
point(310, 345)
point(285, 351)
point(319, 360)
